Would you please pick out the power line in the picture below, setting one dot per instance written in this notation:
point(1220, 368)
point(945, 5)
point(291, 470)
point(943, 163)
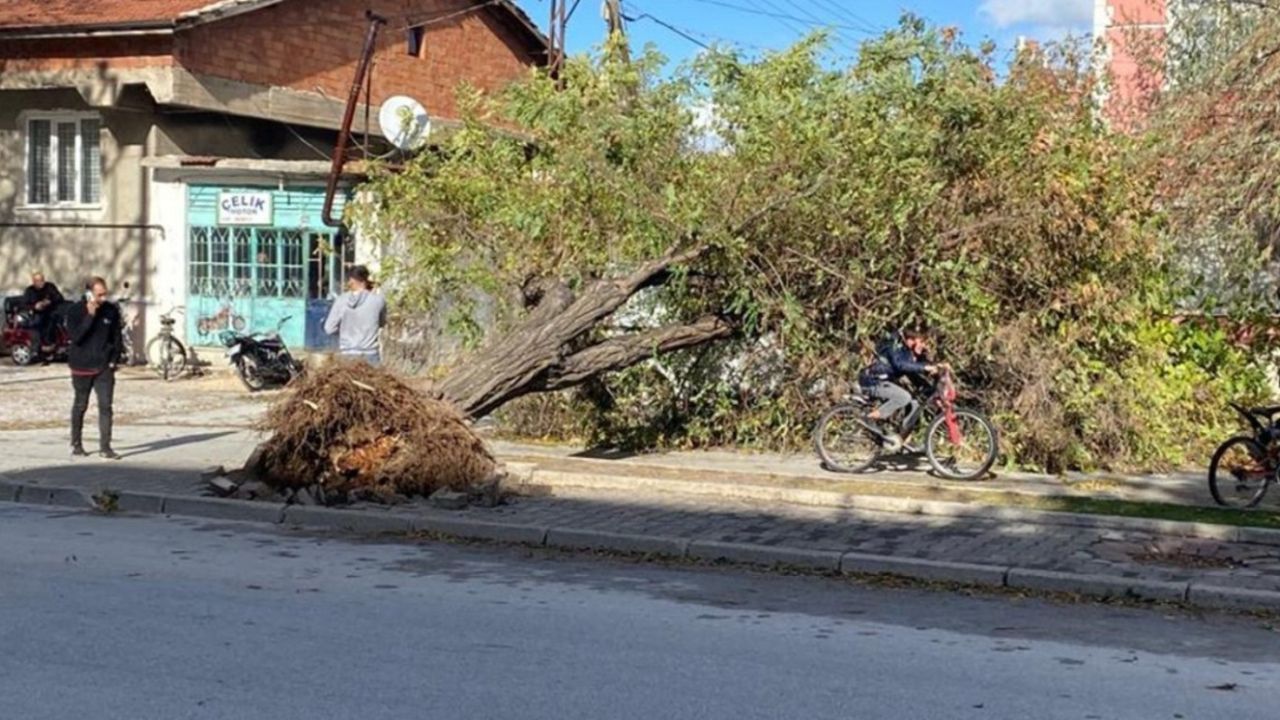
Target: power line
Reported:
point(821, 21)
point(777, 13)
point(667, 25)
point(782, 16)
point(849, 15)
point(642, 14)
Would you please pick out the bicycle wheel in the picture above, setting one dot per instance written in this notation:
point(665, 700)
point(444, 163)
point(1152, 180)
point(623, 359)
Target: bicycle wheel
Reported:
point(1239, 473)
point(974, 452)
point(844, 442)
point(176, 356)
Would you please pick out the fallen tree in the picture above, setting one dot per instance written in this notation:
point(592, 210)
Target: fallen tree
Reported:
point(756, 224)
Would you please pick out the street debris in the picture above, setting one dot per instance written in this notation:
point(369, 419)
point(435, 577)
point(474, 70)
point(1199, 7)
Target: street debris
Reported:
point(350, 432)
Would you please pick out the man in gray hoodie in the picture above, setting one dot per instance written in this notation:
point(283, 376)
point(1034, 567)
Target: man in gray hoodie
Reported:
point(357, 318)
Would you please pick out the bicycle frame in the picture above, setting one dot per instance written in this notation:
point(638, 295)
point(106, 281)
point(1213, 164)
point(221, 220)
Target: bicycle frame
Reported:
point(941, 400)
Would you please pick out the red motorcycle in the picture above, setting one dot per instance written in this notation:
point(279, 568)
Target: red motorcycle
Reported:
point(21, 333)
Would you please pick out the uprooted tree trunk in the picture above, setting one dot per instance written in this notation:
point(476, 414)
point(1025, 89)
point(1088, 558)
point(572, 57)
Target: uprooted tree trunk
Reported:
point(541, 353)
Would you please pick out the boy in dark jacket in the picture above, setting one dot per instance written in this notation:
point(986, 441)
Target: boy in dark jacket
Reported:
point(96, 340)
point(903, 356)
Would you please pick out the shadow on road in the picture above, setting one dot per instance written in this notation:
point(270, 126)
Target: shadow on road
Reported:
point(165, 444)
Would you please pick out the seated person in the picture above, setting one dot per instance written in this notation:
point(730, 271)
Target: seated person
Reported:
point(43, 299)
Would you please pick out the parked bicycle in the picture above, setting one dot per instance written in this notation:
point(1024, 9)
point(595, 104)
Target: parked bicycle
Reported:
point(166, 354)
point(1245, 466)
point(960, 443)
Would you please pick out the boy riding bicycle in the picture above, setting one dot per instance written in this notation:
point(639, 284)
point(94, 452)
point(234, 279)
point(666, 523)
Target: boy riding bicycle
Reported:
point(901, 356)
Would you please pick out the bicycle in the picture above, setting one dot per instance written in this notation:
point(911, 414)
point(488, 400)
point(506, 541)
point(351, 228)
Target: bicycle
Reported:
point(165, 353)
point(960, 443)
point(1250, 461)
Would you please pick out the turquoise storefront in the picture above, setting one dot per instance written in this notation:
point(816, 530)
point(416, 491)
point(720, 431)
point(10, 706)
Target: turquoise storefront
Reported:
point(258, 258)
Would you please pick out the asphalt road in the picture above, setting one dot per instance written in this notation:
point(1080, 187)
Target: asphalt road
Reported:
point(136, 618)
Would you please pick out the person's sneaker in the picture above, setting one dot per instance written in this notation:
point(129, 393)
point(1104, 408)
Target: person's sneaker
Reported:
point(892, 442)
point(78, 451)
point(109, 454)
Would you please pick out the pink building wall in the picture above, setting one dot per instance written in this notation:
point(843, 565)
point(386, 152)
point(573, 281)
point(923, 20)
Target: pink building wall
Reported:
point(1134, 34)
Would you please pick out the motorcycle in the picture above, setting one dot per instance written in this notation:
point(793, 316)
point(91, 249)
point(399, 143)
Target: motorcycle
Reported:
point(261, 359)
point(20, 335)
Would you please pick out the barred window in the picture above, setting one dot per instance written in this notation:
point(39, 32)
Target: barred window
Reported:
point(64, 160)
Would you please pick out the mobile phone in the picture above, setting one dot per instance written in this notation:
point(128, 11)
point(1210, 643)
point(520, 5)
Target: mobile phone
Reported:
point(88, 296)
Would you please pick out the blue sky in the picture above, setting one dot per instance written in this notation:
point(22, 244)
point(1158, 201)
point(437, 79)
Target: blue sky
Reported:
point(769, 24)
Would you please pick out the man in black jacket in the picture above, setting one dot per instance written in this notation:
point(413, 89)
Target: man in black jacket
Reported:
point(43, 298)
point(96, 339)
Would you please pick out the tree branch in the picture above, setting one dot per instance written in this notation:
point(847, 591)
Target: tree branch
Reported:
point(627, 350)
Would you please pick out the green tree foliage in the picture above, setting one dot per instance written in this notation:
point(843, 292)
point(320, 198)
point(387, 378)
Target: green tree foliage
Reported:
point(809, 209)
point(1214, 138)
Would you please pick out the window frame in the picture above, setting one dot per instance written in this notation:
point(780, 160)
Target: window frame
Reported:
point(55, 118)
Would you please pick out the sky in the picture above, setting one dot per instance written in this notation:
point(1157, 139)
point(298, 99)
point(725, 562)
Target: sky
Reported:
point(757, 25)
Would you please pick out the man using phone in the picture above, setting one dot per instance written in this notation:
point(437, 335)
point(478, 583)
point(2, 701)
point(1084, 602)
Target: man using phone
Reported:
point(96, 340)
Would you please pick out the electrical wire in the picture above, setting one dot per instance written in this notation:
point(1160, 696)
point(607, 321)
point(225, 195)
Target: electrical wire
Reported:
point(781, 16)
point(667, 25)
point(849, 15)
point(694, 36)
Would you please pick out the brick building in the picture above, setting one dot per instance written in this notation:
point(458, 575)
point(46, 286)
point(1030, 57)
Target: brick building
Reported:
point(181, 145)
point(1133, 33)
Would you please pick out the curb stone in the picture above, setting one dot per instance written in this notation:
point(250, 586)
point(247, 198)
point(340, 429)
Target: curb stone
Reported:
point(1234, 598)
point(764, 554)
point(1098, 585)
point(618, 542)
point(148, 503)
point(71, 497)
point(482, 530)
point(222, 509)
point(966, 573)
point(1194, 593)
point(9, 492)
point(353, 520)
point(59, 497)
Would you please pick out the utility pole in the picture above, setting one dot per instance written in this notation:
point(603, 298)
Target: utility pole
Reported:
point(556, 36)
point(344, 134)
point(614, 21)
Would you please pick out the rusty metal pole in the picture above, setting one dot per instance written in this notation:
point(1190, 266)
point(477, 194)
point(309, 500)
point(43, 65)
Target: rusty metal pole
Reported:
point(353, 98)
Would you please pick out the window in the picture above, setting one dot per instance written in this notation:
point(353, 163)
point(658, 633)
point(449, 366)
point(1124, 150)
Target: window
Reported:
point(416, 41)
point(64, 160)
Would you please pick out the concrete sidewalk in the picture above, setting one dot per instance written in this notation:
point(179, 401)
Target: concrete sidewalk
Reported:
point(805, 472)
point(204, 421)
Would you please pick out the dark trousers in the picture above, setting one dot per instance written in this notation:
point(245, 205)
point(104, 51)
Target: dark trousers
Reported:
point(103, 384)
point(893, 398)
point(45, 326)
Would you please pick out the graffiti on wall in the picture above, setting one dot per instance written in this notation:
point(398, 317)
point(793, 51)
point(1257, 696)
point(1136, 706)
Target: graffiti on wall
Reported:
point(224, 318)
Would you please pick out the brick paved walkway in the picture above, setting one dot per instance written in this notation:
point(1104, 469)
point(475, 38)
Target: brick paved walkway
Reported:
point(1035, 546)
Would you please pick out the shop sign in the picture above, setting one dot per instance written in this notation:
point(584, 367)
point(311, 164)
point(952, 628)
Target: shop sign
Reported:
point(244, 208)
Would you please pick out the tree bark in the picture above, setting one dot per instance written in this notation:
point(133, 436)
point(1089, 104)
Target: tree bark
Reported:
point(626, 350)
point(535, 355)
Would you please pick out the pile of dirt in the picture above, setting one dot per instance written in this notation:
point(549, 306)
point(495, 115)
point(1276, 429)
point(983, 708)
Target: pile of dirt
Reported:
point(360, 433)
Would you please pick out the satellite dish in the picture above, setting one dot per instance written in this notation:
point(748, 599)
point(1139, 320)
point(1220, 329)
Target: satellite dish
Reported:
point(404, 122)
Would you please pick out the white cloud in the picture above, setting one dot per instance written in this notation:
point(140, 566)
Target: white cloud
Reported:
point(1045, 13)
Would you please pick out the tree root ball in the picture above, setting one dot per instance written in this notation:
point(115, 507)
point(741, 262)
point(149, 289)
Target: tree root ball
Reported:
point(358, 430)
